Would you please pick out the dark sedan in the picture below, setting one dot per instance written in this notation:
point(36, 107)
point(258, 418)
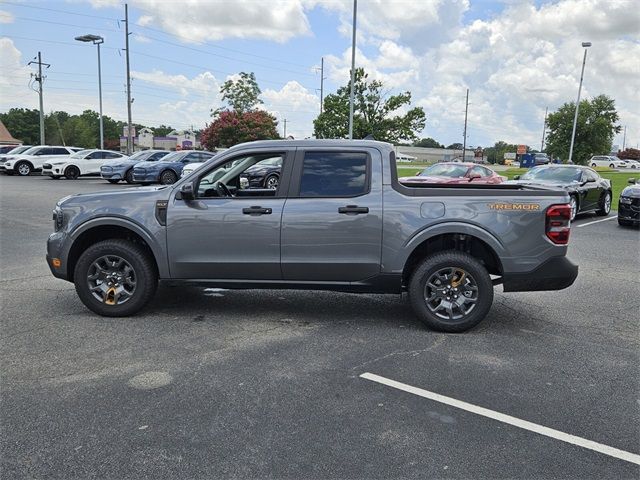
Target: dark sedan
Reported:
point(265, 174)
point(588, 191)
point(167, 170)
point(629, 205)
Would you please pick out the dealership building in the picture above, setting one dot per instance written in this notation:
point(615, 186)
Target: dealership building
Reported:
point(175, 140)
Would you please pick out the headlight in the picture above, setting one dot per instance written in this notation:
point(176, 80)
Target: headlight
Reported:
point(58, 219)
point(115, 166)
point(625, 200)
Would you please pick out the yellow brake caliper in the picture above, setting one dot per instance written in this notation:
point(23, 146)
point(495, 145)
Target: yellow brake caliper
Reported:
point(461, 275)
point(110, 296)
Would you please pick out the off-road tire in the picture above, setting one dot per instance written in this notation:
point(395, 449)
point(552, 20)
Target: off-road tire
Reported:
point(434, 263)
point(144, 269)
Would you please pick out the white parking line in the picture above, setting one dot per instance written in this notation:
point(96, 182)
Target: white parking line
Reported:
point(597, 221)
point(501, 417)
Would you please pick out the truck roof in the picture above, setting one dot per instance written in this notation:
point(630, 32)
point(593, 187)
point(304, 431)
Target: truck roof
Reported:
point(312, 142)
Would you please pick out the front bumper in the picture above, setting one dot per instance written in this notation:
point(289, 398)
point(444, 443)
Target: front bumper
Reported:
point(56, 250)
point(629, 212)
point(111, 175)
point(147, 177)
point(554, 274)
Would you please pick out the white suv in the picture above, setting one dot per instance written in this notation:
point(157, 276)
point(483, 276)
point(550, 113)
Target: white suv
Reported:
point(31, 160)
point(607, 161)
point(84, 162)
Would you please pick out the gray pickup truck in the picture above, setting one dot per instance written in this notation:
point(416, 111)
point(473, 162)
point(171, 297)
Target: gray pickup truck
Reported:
point(338, 220)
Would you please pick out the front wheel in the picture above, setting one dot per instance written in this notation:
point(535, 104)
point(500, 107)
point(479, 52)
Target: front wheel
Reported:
point(451, 291)
point(593, 165)
point(115, 278)
point(113, 180)
point(611, 165)
point(23, 168)
point(604, 205)
point(271, 182)
point(72, 173)
point(128, 177)
point(623, 223)
point(168, 177)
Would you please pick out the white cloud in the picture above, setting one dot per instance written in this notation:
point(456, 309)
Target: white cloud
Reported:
point(6, 17)
point(203, 20)
point(294, 103)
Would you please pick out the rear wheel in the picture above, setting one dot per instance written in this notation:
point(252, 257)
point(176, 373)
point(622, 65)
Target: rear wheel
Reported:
point(115, 278)
point(573, 202)
point(623, 223)
point(168, 177)
point(128, 177)
point(72, 173)
point(604, 204)
point(451, 291)
point(23, 168)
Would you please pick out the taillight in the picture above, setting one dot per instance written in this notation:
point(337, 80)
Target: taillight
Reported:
point(558, 224)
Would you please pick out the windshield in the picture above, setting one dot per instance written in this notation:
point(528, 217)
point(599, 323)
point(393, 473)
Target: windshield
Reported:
point(174, 157)
point(140, 156)
point(20, 149)
point(446, 170)
point(31, 151)
point(81, 153)
point(553, 174)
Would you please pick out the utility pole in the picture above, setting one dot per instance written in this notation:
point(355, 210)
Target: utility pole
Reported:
point(40, 80)
point(464, 141)
point(285, 129)
point(126, 41)
point(544, 129)
point(353, 69)
point(321, 83)
point(624, 139)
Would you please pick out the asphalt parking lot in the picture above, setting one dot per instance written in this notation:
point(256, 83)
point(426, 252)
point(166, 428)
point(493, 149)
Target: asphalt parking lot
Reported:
point(267, 384)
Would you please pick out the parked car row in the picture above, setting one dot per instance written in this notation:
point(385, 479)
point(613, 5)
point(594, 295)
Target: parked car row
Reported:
point(612, 161)
point(23, 162)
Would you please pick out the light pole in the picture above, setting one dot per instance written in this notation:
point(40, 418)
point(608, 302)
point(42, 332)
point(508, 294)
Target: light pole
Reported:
point(97, 40)
point(353, 69)
point(575, 118)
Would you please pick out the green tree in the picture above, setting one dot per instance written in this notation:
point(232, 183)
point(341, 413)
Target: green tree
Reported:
point(162, 130)
point(496, 153)
point(455, 146)
point(428, 143)
point(595, 129)
point(373, 113)
point(242, 94)
point(24, 124)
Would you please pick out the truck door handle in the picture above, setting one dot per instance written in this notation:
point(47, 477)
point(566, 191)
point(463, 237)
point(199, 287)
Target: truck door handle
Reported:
point(353, 210)
point(256, 211)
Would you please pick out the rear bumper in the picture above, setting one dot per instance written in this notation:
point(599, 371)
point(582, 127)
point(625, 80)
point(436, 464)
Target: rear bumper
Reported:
point(554, 274)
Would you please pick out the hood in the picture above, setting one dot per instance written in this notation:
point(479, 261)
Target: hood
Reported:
point(146, 164)
point(632, 191)
point(546, 183)
point(128, 196)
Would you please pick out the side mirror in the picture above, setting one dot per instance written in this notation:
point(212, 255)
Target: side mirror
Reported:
point(473, 176)
point(590, 180)
point(418, 173)
point(516, 177)
point(186, 192)
point(632, 181)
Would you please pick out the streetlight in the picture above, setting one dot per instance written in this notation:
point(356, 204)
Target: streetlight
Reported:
point(96, 40)
point(575, 118)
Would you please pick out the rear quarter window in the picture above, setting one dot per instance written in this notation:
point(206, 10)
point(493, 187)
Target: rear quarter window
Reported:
point(334, 174)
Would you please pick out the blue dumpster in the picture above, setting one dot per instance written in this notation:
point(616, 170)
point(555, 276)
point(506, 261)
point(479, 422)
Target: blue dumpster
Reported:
point(527, 160)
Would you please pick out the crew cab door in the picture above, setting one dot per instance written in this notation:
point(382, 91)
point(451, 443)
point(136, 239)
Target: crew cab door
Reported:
point(219, 236)
point(332, 221)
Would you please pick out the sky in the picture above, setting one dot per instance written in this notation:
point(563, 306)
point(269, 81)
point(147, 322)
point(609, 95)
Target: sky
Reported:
point(515, 57)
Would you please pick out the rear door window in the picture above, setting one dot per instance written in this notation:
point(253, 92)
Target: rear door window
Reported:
point(334, 174)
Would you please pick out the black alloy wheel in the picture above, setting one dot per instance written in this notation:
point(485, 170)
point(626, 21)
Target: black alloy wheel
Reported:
point(72, 172)
point(168, 177)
